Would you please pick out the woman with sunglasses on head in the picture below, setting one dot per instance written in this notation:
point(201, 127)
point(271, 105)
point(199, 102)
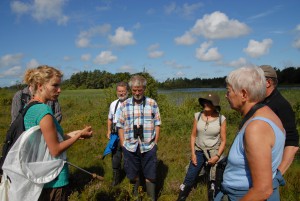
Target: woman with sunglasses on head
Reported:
point(45, 82)
point(208, 139)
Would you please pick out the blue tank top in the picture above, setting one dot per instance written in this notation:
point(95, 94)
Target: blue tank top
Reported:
point(237, 174)
point(32, 118)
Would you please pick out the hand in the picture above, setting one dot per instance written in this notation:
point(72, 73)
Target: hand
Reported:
point(87, 132)
point(108, 135)
point(194, 159)
point(121, 143)
point(213, 160)
point(73, 133)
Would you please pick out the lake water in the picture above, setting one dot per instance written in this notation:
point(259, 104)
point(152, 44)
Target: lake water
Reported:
point(209, 89)
point(191, 90)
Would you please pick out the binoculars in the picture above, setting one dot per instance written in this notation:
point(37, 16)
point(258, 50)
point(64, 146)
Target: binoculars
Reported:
point(138, 132)
point(114, 128)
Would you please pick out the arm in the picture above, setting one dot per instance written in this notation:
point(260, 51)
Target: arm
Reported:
point(193, 140)
point(50, 134)
point(287, 116)
point(215, 158)
point(109, 123)
point(110, 119)
point(258, 141)
point(289, 153)
point(121, 136)
point(157, 130)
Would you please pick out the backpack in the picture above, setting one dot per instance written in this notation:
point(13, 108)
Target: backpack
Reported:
point(15, 130)
point(25, 98)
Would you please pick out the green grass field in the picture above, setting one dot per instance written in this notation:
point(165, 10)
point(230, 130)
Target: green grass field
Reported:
point(90, 107)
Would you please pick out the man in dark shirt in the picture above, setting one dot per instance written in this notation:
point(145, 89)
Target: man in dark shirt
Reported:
point(286, 114)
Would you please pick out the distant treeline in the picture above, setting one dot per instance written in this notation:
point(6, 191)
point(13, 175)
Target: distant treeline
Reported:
point(98, 79)
point(287, 76)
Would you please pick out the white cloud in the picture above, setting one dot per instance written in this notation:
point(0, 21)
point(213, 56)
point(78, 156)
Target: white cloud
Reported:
point(137, 26)
point(186, 10)
point(32, 64)
point(42, 10)
point(127, 68)
point(239, 63)
point(204, 53)
point(105, 57)
point(10, 59)
point(155, 54)
point(153, 47)
point(296, 43)
point(20, 8)
point(218, 26)
point(266, 13)
point(150, 11)
point(153, 51)
point(122, 37)
point(257, 49)
point(82, 42)
point(169, 9)
point(190, 9)
point(175, 65)
point(94, 31)
point(67, 58)
point(85, 57)
point(14, 71)
point(180, 74)
point(186, 39)
point(84, 38)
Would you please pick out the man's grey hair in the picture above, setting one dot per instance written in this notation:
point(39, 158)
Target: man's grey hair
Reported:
point(137, 80)
point(122, 84)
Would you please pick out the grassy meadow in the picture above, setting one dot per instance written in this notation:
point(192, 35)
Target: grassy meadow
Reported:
point(90, 107)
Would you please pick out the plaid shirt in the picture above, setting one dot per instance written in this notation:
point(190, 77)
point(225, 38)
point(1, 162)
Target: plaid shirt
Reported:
point(147, 116)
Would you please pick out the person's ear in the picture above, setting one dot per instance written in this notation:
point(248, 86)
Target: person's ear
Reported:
point(244, 94)
point(268, 82)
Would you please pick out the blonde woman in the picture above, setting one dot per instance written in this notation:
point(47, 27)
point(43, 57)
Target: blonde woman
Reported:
point(45, 82)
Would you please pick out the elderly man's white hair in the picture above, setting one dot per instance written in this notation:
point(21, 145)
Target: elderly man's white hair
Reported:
point(137, 80)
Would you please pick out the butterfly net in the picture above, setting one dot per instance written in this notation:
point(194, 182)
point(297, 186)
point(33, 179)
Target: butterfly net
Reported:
point(29, 165)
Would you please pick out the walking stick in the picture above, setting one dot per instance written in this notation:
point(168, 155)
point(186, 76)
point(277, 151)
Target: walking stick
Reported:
point(93, 174)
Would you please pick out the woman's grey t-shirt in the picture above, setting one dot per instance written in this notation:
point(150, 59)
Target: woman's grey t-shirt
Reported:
point(208, 136)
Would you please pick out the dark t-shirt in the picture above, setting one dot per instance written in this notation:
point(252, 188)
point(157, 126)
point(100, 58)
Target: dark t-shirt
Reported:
point(286, 114)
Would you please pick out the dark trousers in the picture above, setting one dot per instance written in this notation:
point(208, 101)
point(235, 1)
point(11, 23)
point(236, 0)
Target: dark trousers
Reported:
point(116, 157)
point(193, 170)
point(54, 194)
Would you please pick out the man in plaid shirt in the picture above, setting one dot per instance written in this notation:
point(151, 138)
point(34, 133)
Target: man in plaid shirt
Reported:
point(139, 126)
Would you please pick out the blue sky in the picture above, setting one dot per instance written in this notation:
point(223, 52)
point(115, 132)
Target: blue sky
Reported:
point(168, 39)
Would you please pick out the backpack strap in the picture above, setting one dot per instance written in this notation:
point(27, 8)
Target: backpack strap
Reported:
point(116, 106)
point(23, 112)
point(199, 115)
point(24, 100)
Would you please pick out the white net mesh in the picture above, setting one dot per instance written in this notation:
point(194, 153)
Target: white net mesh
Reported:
point(29, 165)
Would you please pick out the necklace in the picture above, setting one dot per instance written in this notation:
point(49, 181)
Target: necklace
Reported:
point(206, 124)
